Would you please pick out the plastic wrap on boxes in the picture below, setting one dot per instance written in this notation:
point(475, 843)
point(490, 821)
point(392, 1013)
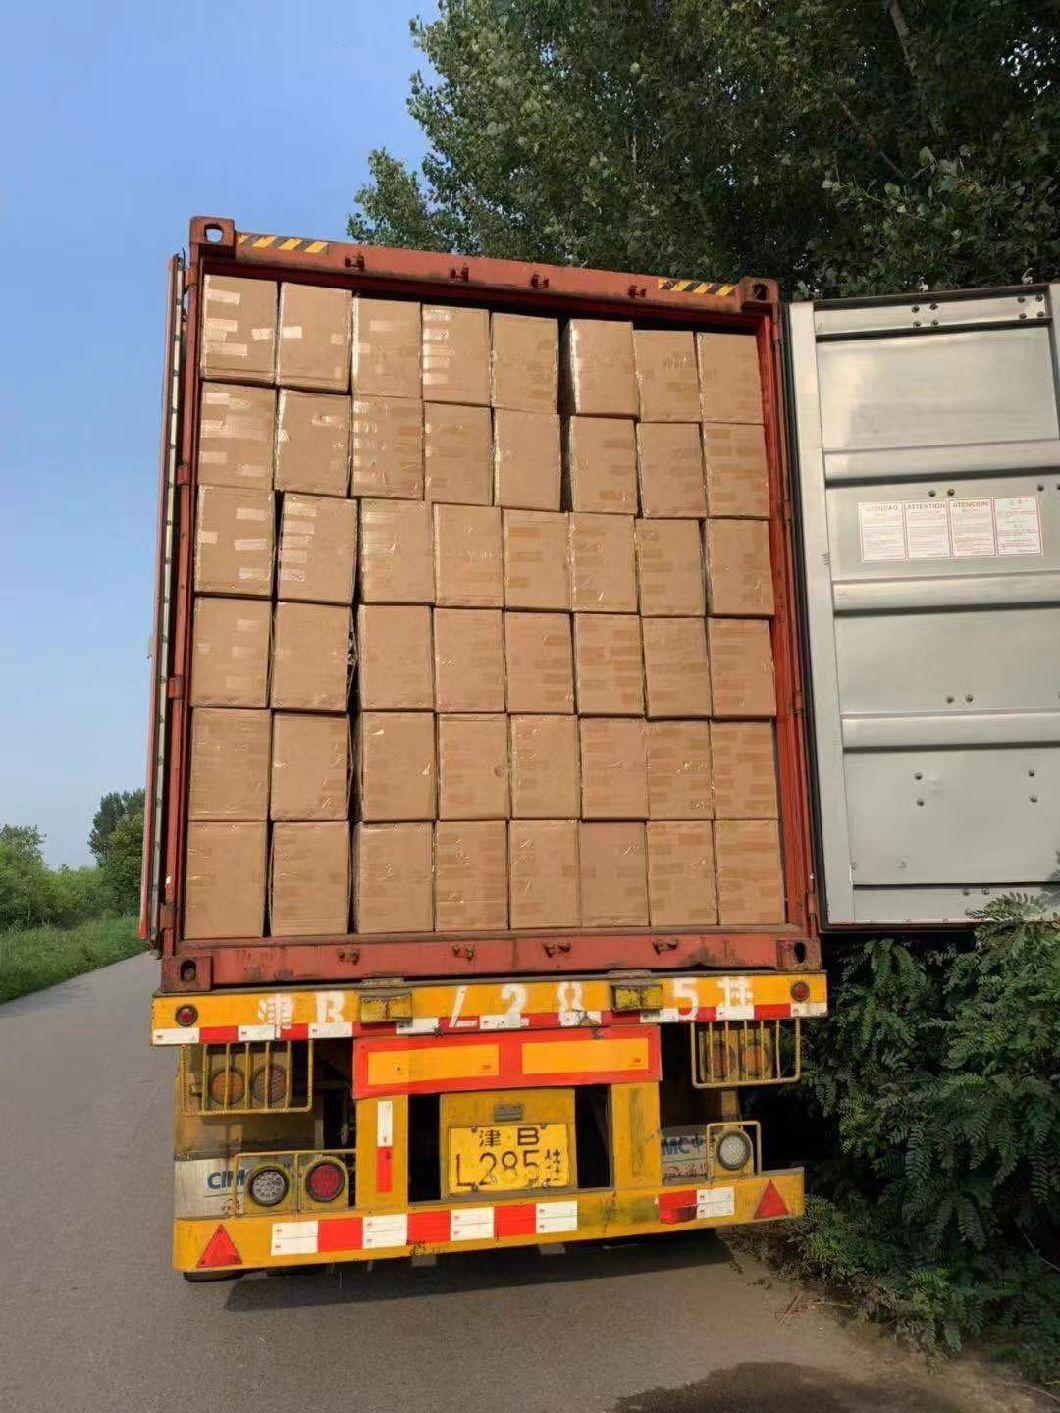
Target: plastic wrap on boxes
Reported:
point(670, 571)
point(525, 362)
point(313, 443)
point(536, 566)
point(311, 766)
point(395, 660)
point(602, 563)
point(739, 578)
point(312, 657)
point(385, 351)
point(458, 454)
point(538, 662)
point(456, 355)
point(526, 459)
point(750, 883)
point(309, 879)
point(397, 559)
point(741, 661)
point(318, 549)
point(670, 470)
point(676, 669)
point(608, 664)
point(236, 436)
point(745, 773)
point(667, 383)
point(468, 560)
point(601, 464)
point(238, 329)
point(614, 768)
point(543, 873)
point(470, 876)
point(598, 369)
point(545, 770)
point(396, 769)
point(680, 781)
point(230, 652)
point(387, 441)
point(313, 350)
point(473, 766)
point(737, 469)
point(224, 880)
point(393, 878)
point(468, 659)
point(613, 875)
point(235, 542)
point(681, 890)
point(730, 380)
point(229, 770)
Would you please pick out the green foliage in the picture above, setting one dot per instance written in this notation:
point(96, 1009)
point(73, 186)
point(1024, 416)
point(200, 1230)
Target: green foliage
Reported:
point(122, 862)
point(32, 959)
point(113, 808)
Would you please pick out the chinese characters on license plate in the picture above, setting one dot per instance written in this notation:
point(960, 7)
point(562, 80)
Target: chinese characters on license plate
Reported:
point(508, 1157)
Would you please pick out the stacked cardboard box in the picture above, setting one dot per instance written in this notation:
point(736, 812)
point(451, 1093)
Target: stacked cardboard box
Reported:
point(546, 551)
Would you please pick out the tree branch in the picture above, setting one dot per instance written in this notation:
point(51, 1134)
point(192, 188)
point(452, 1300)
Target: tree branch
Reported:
point(864, 133)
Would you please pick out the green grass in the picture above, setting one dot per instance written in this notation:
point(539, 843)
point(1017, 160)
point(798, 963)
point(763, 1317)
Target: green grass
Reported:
point(40, 956)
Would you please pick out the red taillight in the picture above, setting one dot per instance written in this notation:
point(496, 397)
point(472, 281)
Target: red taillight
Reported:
point(268, 1085)
point(325, 1181)
point(227, 1087)
point(187, 1015)
point(800, 990)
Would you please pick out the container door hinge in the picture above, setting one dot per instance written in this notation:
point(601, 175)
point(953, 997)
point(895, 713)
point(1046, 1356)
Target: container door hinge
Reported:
point(175, 688)
point(812, 911)
point(166, 917)
point(183, 475)
point(797, 701)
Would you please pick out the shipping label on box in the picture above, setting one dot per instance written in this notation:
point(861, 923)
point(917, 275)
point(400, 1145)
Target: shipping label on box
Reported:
point(526, 459)
point(730, 380)
point(393, 878)
point(613, 875)
point(614, 768)
point(750, 883)
point(681, 873)
point(601, 464)
point(667, 383)
point(313, 443)
point(238, 329)
point(536, 571)
point(456, 355)
point(602, 563)
point(525, 362)
point(395, 660)
point(312, 657)
point(458, 454)
point(538, 662)
point(676, 669)
point(608, 664)
point(680, 782)
point(737, 469)
point(468, 659)
point(229, 773)
point(386, 348)
point(230, 652)
point(741, 662)
point(396, 773)
point(543, 873)
point(310, 766)
point(397, 553)
point(739, 576)
point(309, 880)
point(224, 879)
point(318, 549)
point(670, 470)
point(236, 436)
point(235, 542)
point(473, 766)
point(598, 368)
point(314, 345)
point(545, 769)
point(745, 772)
point(470, 876)
point(670, 569)
point(468, 560)
point(387, 456)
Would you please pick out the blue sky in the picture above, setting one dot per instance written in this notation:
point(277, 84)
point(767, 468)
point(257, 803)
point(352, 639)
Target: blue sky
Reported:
point(121, 121)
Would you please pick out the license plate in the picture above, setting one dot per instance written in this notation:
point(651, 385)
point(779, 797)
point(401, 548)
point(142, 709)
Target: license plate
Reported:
point(508, 1157)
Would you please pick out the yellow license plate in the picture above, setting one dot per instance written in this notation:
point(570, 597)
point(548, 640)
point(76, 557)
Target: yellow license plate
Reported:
point(508, 1157)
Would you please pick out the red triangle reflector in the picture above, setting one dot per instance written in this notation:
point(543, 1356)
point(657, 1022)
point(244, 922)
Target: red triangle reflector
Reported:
point(771, 1205)
point(220, 1250)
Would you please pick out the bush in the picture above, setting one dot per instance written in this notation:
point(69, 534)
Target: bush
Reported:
point(33, 958)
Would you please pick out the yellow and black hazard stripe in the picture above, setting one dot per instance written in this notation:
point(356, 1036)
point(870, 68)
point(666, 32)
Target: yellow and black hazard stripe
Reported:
point(285, 243)
point(695, 287)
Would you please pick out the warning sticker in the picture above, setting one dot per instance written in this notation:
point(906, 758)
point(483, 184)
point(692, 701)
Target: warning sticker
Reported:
point(927, 529)
point(1019, 528)
point(881, 530)
point(972, 528)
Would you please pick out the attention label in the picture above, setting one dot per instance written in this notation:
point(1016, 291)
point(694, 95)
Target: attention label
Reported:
point(978, 528)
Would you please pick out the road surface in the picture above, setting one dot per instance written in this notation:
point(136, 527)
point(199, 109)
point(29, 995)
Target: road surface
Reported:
point(92, 1318)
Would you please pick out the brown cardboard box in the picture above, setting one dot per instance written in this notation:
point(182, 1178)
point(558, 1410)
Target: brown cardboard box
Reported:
point(543, 873)
point(470, 876)
point(667, 384)
point(614, 768)
point(597, 368)
point(681, 890)
point(525, 362)
point(312, 654)
point(224, 892)
point(468, 659)
point(238, 329)
point(456, 355)
point(526, 459)
point(750, 883)
point(387, 457)
point(473, 766)
point(314, 345)
point(397, 557)
point(318, 549)
point(468, 559)
point(395, 660)
point(458, 454)
point(236, 436)
point(545, 773)
point(538, 662)
point(676, 670)
point(393, 878)
point(310, 766)
point(739, 578)
point(670, 568)
point(730, 380)
point(229, 773)
point(386, 348)
point(235, 542)
point(741, 664)
point(396, 769)
point(679, 770)
point(608, 664)
point(309, 880)
point(601, 464)
point(737, 469)
point(536, 571)
point(745, 773)
point(613, 875)
point(602, 566)
point(313, 443)
point(670, 468)
point(230, 653)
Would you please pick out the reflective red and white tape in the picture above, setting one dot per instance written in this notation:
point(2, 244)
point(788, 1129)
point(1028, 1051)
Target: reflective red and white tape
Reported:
point(398, 1229)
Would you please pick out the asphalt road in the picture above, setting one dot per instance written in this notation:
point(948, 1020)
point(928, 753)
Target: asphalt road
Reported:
point(92, 1318)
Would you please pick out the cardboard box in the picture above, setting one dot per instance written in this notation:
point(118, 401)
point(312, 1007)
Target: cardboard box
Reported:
point(393, 873)
point(737, 469)
point(676, 670)
point(670, 470)
point(470, 876)
point(236, 436)
point(310, 766)
point(456, 355)
point(313, 443)
point(745, 772)
point(739, 577)
point(750, 883)
point(538, 662)
point(680, 776)
point(525, 362)
point(608, 664)
point(230, 653)
point(229, 769)
point(318, 549)
point(314, 345)
point(681, 890)
point(601, 464)
point(385, 352)
point(545, 770)
point(397, 552)
point(526, 459)
point(235, 542)
point(741, 667)
point(473, 766)
point(309, 880)
point(543, 873)
point(468, 560)
point(602, 564)
point(468, 659)
point(597, 368)
point(536, 573)
point(458, 454)
point(238, 329)
point(394, 655)
point(387, 456)
point(224, 880)
point(396, 771)
point(614, 768)
point(730, 379)
point(670, 569)
point(312, 657)
point(667, 382)
point(613, 875)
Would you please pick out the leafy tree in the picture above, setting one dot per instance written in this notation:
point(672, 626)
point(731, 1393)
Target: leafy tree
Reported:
point(24, 840)
point(840, 147)
point(121, 866)
point(28, 895)
point(113, 808)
